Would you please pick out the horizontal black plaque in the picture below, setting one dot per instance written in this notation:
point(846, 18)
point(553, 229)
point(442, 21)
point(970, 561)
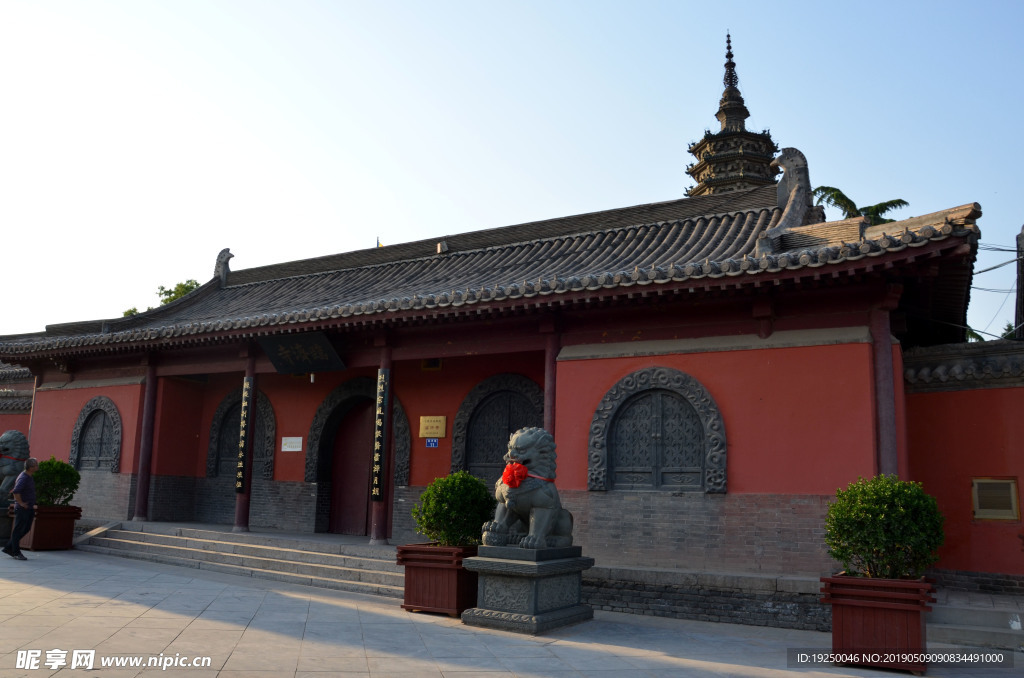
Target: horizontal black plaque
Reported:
point(300, 353)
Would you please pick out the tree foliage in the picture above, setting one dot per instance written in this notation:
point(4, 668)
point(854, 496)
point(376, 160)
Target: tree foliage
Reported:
point(884, 527)
point(1009, 332)
point(56, 482)
point(453, 509)
point(833, 197)
point(168, 294)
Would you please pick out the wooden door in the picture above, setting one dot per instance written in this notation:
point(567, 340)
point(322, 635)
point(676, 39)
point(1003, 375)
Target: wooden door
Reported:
point(350, 471)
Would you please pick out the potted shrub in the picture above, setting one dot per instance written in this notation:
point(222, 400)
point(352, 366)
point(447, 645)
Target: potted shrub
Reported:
point(54, 526)
point(451, 513)
point(884, 531)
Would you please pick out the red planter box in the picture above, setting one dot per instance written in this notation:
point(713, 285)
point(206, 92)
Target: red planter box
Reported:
point(879, 617)
point(435, 580)
point(53, 528)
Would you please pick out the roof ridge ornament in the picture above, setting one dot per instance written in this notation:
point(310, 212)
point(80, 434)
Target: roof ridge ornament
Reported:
point(221, 269)
point(794, 198)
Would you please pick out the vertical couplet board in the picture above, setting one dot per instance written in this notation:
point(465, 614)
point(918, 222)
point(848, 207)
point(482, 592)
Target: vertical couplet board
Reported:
point(380, 434)
point(243, 443)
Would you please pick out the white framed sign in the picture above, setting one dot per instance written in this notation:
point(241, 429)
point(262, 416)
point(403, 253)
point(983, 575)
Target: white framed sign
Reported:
point(291, 444)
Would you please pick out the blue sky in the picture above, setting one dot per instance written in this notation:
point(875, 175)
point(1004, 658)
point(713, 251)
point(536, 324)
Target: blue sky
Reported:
point(140, 138)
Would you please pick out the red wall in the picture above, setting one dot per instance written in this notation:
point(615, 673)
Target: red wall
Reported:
point(57, 411)
point(189, 410)
point(179, 408)
point(295, 401)
point(439, 393)
point(14, 422)
point(797, 420)
point(958, 435)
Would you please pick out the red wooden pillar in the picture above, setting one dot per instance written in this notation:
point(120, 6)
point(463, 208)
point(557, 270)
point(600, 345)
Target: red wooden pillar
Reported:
point(379, 505)
point(550, 370)
point(550, 326)
point(143, 468)
point(245, 445)
point(887, 455)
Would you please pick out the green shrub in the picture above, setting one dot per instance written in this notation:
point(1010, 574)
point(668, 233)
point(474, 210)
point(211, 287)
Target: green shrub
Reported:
point(453, 509)
point(884, 527)
point(56, 482)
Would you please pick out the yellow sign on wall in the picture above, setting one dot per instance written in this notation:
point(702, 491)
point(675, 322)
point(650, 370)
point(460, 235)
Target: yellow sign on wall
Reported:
point(432, 427)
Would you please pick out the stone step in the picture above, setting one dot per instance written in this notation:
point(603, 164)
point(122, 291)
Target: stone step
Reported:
point(263, 539)
point(976, 626)
point(326, 571)
point(227, 568)
point(976, 636)
point(275, 551)
point(989, 617)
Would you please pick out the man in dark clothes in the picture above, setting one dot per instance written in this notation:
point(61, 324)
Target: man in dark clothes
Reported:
point(24, 510)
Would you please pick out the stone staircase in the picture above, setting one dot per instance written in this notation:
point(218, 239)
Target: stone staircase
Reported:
point(977, 620)
point(327, 561)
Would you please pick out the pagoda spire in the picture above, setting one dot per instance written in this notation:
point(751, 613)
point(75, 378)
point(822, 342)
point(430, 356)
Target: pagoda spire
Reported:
point(732, 112)
point(733, 159)
point(730, 79)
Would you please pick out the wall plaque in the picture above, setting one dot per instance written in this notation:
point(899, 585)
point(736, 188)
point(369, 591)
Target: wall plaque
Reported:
point(433, 427)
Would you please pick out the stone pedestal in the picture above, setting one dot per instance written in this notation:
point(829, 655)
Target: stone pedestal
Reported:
point(528, 590)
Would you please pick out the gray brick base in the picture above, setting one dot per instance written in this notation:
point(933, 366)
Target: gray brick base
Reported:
point(280, 505)
point(656, 551)
point(172, 498)
point(105, 496)
point(757, 600)
point(983, 582)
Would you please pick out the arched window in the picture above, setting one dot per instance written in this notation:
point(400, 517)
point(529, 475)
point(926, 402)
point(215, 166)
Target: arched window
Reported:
point(657, 429)
point(656, 443)
point(96, 438)
point(222, 454)
point(496, 408)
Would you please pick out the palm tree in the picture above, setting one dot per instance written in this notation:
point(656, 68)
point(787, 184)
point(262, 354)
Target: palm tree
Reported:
point(833, 197)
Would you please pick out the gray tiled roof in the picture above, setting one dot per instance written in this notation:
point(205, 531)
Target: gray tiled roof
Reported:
point(10, 373)
point(673, 242)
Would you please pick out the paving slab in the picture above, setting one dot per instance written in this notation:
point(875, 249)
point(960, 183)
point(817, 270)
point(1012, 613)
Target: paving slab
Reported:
point(139, 610)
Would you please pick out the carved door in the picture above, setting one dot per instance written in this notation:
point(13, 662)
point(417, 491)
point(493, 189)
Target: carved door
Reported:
point(350, 471)
point(227, 445)
point(96, 441)
point(493, 421)
point(657, 442)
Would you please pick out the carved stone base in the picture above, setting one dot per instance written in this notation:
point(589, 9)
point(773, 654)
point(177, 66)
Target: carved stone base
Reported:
point(528, 590)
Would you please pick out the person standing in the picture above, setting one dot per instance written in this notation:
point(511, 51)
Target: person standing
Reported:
point(24, 509)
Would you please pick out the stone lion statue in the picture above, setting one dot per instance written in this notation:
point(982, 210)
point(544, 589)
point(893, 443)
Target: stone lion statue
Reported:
point(529, 511)
point(13, 453)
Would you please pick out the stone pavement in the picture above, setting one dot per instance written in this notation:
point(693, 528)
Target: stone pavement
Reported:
point(125, 609)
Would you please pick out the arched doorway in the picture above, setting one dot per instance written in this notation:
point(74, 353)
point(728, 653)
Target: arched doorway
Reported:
point(339, 455)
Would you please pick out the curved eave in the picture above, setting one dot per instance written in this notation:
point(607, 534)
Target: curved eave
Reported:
point(794, 267)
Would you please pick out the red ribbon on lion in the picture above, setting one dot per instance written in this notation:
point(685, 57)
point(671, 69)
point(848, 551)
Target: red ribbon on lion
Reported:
point(515, 473)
